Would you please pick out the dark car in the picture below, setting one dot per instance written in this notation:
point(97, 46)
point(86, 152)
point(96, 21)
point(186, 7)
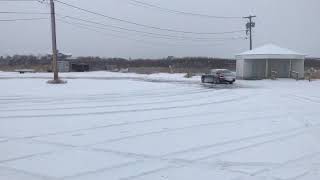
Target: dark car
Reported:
point(219, 76)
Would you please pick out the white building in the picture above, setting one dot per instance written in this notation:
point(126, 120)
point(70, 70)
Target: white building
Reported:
point(63, 66)
point(261, 62)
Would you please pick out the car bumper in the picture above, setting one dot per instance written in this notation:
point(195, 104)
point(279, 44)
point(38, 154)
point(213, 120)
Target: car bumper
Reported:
point(227, 80)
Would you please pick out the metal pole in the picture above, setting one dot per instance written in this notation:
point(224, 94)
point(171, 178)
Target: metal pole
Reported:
point(267, 68)
point(250, 19)
point(290, 70)
point(249, 28)
point(54, 43)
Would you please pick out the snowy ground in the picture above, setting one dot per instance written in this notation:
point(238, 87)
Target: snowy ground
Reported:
point(157, 127)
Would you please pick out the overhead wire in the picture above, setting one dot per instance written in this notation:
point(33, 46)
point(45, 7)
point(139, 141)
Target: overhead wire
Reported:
point(146, 33)
point(157, 35)
point(149, 5)
point(166, 36)
point(144, 25)
point(22, 19)
point(90, 28)
point(24, 13)
point(18, 0)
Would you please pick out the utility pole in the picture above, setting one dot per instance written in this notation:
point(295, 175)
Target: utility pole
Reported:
point(249, 27)
point(54, 45)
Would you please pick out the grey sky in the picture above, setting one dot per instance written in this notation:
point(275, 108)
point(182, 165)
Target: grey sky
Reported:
point(289, 23)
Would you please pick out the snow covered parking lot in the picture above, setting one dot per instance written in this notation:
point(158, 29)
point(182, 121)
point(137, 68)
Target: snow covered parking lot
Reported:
point(157, 127)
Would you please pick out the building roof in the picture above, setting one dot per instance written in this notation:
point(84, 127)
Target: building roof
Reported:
point(271, 51)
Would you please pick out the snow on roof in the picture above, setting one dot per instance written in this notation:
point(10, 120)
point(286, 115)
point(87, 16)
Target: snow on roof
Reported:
point(271, 49)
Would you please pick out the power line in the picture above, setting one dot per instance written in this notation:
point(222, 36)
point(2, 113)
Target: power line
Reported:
point(24, 19)
point(161, 37)
point(146, 26)
point(21, 1)
point(166, 36)
point(111, 26)
point(17, 0)
point(16, 12)
point(149, 5)
point(39, 1)
point(150, 34)
point(90, 28)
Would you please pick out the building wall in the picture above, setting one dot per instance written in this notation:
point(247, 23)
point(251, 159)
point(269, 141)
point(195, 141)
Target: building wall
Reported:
point(281, 66)
point(256, 68)
point(298, 65)
point(63, 66)
point(239, 68)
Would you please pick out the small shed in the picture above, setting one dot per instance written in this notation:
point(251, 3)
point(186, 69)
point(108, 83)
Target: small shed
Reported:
point(263, 62)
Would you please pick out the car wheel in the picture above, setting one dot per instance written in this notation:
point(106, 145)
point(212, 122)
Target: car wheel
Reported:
point(215, 81)
point(218, 81)
point(202, 79)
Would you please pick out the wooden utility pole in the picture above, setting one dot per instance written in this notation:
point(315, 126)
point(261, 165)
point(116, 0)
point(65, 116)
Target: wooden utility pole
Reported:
point(54, 43)
point(249, 27)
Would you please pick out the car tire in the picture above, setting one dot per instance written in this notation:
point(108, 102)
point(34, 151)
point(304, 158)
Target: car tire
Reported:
point(215, 81)
point(202, 79)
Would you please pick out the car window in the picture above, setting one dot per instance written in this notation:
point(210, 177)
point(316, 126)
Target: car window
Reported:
point(224, 72)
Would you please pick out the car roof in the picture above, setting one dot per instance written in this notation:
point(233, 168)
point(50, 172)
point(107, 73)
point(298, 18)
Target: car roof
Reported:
point(220, 70)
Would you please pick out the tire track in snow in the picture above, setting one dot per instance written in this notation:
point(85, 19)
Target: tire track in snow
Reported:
point(102, 99)
point(26, 157)
point(213, 124)
point(282, 136)
point(101, 170)
point(302, 131)
point(305, 99)
point(149, 172)
point(294, 131)
point(183, 163)
point(233, 141)
point(88, 97)
point(204, 96)
point(142, 122)
point(180, 163)
point(126, 111)
point(290, 162)
point(26, 173)
point(154, 132)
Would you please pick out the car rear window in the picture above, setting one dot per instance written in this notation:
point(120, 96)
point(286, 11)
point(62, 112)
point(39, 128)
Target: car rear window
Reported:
point(224, 72)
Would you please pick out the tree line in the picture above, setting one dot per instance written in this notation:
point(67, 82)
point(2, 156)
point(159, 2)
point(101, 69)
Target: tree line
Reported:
point(99, 63)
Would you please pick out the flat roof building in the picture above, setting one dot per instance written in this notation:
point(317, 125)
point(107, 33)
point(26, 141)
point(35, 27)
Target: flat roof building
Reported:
point(262, 62)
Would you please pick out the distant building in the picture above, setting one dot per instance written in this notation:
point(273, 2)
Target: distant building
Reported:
point(63, 66)
point(313, 58)
point(63, 56)
point(262, 62)
point(112, 68)
point(80, 67)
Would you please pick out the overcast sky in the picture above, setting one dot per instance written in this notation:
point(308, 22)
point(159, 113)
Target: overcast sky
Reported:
point(293, 24)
